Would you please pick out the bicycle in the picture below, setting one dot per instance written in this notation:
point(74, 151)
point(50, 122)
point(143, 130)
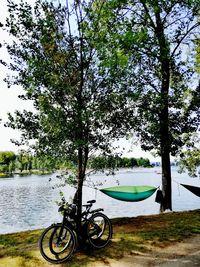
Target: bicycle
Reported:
point(59, 241)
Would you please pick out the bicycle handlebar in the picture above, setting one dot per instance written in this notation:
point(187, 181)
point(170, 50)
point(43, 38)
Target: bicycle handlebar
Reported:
point(72, 208)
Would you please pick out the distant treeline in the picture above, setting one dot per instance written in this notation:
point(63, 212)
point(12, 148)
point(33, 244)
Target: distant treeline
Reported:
point(27, 163)
point(102, 162)
point(24, 162)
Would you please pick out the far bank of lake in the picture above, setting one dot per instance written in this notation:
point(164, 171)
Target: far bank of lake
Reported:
point(28, 202)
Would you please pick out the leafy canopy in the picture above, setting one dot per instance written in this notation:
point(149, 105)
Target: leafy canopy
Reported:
point(152, 38)
point(78, 104)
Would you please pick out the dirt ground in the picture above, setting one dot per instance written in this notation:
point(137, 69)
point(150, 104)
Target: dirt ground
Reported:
point(182, 254)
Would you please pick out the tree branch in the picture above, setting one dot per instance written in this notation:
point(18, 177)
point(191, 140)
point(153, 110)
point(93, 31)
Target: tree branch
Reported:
point(183, 37)
point(147, 12)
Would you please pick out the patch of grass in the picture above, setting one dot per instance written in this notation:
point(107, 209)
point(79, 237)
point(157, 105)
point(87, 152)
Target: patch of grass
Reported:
point(4, 175)
point(196, 231)
point(7, 241)
point(18, 261)
point(131, 235)
point(169, 227)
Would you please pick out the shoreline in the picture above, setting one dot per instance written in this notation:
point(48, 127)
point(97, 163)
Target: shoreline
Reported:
point(113, 220)
point(132, 237)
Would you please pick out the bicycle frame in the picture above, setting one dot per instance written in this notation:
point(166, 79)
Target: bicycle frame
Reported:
point(72, 223)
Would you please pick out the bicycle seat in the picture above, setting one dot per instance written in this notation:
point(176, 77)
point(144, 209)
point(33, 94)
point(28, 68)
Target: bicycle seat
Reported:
point(91, 201)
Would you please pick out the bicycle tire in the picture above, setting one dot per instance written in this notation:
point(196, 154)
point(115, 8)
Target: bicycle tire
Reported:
point(49, 238)
point(99, 230)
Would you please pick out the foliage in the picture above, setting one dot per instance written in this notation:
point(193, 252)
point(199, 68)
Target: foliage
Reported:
point(4, 175)
point(189, 157)
point(78, 107)
point(47, 59)
point(147, 33)
point(110, 162)
point(190, 160)
point(150, 38)
point(119, 68)
point(6, 159)
point(25, 162)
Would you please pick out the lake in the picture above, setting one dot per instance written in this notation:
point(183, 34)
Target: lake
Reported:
point(30, 202)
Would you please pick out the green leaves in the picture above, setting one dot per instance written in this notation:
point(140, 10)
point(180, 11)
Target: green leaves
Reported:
point(104, 76)
point(197, 65)
point(72, 85)
point(190, 160)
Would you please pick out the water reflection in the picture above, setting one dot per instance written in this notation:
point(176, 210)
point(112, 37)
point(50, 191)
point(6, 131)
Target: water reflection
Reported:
point(29, 202)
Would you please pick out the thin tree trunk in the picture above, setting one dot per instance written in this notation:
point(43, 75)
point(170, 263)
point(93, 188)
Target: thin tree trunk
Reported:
point(164, 112)
point(82, 162)
point(80, 137)
point(79, 187)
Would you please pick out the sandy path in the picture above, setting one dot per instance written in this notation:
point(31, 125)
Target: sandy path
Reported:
point(183, 254)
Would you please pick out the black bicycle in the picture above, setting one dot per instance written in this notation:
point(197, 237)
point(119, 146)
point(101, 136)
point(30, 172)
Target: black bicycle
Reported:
point(58, 242)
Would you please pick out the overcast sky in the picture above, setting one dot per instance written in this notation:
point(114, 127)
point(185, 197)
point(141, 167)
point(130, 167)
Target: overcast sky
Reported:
point(9, 102)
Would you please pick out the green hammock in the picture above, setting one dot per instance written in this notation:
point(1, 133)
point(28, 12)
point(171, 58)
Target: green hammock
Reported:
point(129, 193)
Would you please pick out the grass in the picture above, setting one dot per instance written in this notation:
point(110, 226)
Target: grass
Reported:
point(4, 175)
point(25, 173)
point(131, 235)
point(36, 172)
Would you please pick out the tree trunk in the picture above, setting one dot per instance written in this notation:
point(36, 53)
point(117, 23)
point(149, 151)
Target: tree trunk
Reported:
point(78, 194)
point(164, 137)
point(82, 163)
point(164, 112)
point(165, 160)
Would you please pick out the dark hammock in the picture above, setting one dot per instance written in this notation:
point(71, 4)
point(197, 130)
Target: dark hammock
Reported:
point(129, 193)
point(194, 189)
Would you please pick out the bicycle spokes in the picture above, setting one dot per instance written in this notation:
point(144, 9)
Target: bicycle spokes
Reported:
point(60, 240)
point(99, 230)
point(57, 243)
point(96, 228)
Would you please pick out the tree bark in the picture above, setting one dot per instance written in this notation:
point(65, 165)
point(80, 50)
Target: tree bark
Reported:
point(79, 187)
point(165, 155)
point(82, 163)
point(164, 112)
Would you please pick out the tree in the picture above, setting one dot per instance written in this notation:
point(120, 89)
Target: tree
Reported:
point(12, 167)
point(143, 162)
point(6, 160)
point(150, 37)
point(189, 159)
point(22, 161)
point(134, 162)
point(197, 43)
point(76, 101)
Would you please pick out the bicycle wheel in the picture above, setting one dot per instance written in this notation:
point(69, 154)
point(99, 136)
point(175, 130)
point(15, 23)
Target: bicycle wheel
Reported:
point(99, 230)
point(57, 243)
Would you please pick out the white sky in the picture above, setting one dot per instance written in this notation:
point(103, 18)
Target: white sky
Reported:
point(9, 102)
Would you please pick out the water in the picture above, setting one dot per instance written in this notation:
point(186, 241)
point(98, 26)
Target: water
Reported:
point(29, 202)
